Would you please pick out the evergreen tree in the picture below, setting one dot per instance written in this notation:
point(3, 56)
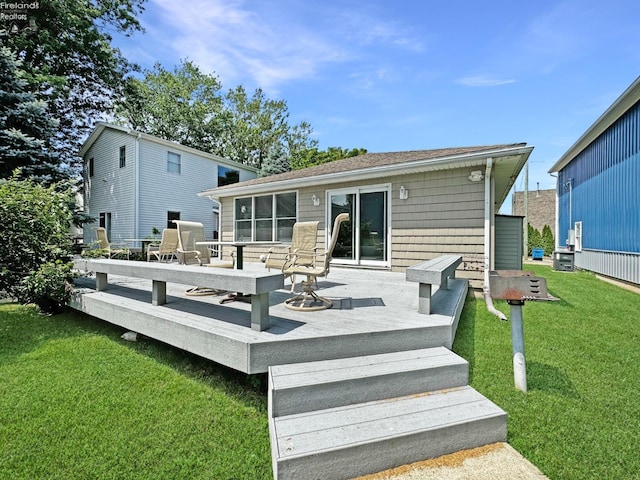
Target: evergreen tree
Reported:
point(276, 162)
point(26, 128)
point(548, 242)
point(534, 238)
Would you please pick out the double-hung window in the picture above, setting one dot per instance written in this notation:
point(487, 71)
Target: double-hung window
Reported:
point(123, 156)
point(173, 162)
point(265, 217)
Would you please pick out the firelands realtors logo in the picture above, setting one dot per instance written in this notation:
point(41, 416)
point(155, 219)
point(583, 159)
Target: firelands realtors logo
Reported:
point(15, 17)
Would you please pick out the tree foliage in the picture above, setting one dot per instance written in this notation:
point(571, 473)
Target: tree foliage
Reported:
point(36, 221)
point(26, 129)
point(276, 162)
point(548, 242)
point(69, 62)
point(313, 156)
point(187, 106)
point(534, 239)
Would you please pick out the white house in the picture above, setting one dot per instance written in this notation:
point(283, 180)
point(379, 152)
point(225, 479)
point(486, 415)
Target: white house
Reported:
point(135, 182)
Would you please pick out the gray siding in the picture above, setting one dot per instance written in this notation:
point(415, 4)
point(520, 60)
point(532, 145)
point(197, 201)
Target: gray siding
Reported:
point(443, 214)
point(109, 190)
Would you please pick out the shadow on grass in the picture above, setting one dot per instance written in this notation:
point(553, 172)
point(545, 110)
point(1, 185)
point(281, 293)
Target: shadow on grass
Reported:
point(550, 379)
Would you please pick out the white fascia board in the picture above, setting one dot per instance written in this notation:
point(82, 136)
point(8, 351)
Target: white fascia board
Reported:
point(444, 163)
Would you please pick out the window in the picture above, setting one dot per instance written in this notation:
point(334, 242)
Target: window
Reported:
point(105, 222)
point(90, 167)
point(123, 156)
point(265, 217)
point(171, 216)
point(173, 162)
point(578, 235)
point(227, 176)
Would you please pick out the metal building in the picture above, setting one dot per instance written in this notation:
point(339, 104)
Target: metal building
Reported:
point(598, 194)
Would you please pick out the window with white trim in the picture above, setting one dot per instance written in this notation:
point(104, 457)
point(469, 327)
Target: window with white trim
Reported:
point(266, 217)
point(174, 164)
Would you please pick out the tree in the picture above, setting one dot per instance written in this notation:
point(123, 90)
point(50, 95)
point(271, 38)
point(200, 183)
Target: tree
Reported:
point(548, 242)
point(26, 129)
point(276, 162)
point(186, 106)
point(69, 62)
point(313, 156)
point(534, 238)
point(36, 221)
point(183, 106)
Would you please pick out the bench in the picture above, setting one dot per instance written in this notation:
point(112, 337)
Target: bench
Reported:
point(432, 272)
point(258, 284)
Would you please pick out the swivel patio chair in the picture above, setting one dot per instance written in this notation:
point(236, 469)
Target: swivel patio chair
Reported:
point(188, 252)
point(309, 300)
point(167, 250)
point(303, 239)
point(111, 250)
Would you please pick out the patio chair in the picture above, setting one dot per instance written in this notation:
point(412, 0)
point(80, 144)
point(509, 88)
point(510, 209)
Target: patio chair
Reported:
point(111, 250)
point(188, 252)
point(303, 239)
point(167, 250)
point(309, 300)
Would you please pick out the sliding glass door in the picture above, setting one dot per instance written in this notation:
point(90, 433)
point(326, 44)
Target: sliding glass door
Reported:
point(363, 240)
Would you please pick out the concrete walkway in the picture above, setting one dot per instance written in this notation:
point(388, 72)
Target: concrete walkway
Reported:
point(498, 461)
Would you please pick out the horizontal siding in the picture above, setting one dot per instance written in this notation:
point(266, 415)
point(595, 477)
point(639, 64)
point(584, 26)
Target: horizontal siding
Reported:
point(109, 190)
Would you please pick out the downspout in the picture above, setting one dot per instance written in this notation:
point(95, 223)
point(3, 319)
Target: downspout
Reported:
point(136, 188)
point(487, 241)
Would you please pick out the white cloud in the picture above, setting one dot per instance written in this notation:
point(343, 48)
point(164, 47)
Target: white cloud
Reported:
point(484, 81)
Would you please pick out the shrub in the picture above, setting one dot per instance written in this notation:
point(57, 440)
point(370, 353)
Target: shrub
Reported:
point(548, 242)
point(35, 232)
point(534, 239)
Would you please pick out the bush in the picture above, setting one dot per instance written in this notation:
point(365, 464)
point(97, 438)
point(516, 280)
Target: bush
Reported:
point(548, 242)
point(35, 232)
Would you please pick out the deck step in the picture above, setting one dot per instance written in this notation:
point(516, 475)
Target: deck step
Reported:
point(304, 387)
point(354, 440)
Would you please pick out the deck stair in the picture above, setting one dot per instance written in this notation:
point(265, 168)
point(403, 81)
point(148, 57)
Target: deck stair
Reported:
point(340, 419)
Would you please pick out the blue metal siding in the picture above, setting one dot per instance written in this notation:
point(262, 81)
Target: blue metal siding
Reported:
point(605, 193)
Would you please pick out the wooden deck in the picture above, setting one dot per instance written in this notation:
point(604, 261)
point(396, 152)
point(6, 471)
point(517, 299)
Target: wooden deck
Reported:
point(374, 312)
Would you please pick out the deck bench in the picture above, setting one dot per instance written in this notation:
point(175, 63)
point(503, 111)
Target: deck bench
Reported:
point(258, 284)
point(432, 272)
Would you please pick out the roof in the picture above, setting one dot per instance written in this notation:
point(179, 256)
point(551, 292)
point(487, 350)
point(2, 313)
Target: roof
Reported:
point(102, 126)
point(628, 99)
point(377, 165)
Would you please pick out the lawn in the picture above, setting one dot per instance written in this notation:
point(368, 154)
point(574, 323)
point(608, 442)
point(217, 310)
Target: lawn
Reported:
point(581, 416)
point(78, 402)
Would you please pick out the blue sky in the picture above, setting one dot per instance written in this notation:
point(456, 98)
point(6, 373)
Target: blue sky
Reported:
point(410, 75)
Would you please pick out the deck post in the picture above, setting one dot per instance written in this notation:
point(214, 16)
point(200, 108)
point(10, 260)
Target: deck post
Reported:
point(260, 312)
point(101, 281)
point(424, 298)
point(158, 293)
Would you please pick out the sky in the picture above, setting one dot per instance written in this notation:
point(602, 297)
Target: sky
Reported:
point(412, 74)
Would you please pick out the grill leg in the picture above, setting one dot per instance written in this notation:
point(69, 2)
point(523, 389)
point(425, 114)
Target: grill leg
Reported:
point(517, 340)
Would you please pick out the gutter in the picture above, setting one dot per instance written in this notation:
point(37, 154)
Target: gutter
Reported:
point(487, 241)
point(136, 188)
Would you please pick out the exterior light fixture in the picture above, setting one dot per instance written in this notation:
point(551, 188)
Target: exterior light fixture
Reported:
point(476, 176)
point(316, 200)
point(404, 193)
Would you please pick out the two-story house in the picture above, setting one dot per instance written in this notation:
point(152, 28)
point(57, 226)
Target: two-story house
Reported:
point(135, 182)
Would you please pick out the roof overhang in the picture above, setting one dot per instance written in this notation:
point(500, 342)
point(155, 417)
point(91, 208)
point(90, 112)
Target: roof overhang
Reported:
point(627, 100)
point(507, 165)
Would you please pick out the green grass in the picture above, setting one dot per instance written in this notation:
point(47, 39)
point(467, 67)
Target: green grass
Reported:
point(581, 415)
point(78, 402)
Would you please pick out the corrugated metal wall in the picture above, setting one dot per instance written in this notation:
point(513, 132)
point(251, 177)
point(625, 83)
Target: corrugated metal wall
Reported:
point(600, 188)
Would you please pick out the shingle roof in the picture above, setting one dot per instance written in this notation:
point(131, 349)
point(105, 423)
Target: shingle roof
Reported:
point(370, 160)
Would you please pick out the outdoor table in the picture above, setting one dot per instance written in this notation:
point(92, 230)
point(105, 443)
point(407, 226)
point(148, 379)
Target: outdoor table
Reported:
point(238, 296)
point(144, 242)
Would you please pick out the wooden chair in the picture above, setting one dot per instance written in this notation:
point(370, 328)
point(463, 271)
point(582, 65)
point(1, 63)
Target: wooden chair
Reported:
point(309, 300)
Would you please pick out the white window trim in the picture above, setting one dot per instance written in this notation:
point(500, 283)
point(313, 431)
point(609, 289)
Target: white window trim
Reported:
point(253, 212)
point(578, 236)
point(178, 163)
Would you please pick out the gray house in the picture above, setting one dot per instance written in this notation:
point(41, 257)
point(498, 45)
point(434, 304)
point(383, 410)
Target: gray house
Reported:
point(405, 207)
point(135, 182)
point(598, 213)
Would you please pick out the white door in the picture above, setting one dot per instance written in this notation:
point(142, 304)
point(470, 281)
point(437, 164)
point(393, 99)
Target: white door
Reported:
point(364, 239)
